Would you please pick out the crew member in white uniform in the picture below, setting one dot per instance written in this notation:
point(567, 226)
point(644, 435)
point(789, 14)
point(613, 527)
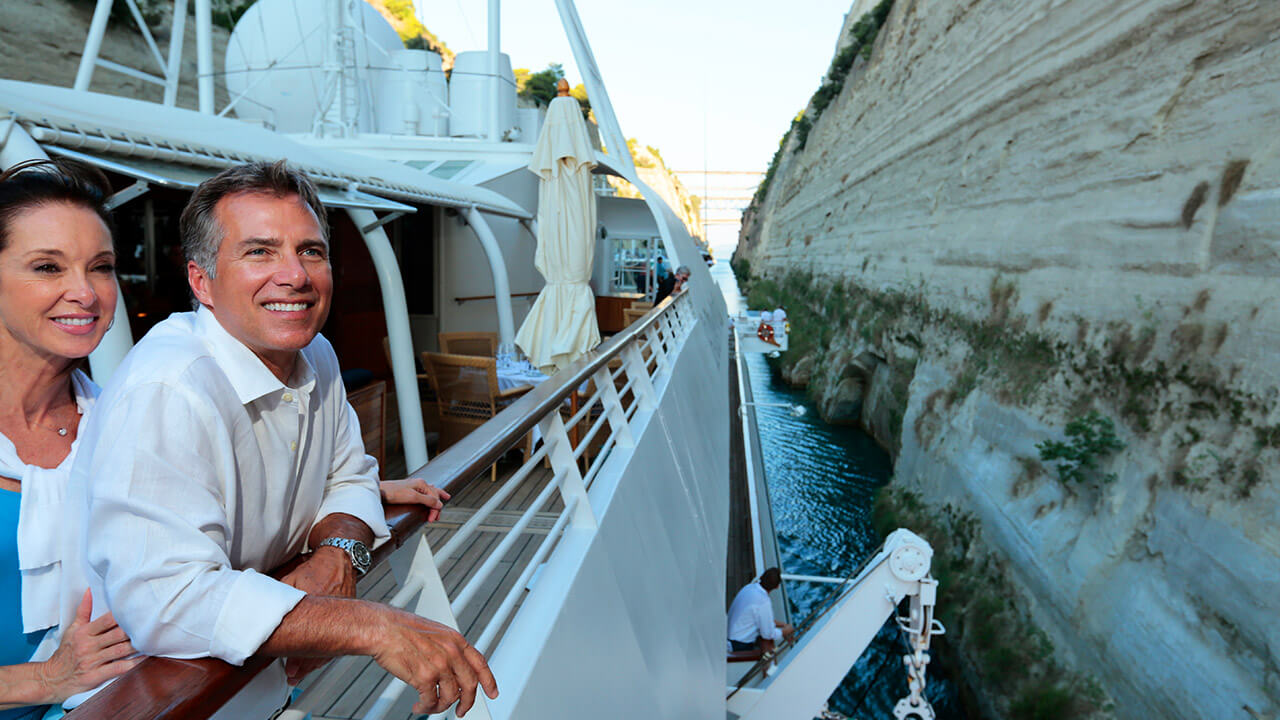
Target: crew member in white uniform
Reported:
point(751, 623)
point(224, 445)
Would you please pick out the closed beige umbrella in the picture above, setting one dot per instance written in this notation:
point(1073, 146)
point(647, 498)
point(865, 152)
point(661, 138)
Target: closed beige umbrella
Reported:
point(561, 325)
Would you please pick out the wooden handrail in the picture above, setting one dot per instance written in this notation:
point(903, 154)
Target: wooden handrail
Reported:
point(178, 689)
point(172, 689)
point(469, 298)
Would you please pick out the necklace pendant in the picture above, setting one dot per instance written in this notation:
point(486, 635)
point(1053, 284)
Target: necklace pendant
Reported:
point(62, 432)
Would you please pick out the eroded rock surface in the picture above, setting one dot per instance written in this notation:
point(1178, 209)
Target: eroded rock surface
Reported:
point(1046, 208)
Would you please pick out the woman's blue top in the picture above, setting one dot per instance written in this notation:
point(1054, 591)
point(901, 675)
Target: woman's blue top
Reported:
point(16, 646)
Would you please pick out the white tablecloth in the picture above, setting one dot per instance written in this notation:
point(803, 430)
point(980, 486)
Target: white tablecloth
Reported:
point(516, 375)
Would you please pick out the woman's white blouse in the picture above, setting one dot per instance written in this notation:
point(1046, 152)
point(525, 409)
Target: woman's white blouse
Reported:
point(42, 520)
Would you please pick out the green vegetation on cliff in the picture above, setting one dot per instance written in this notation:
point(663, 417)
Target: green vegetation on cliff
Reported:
point(1021, 367)
point(861, 40)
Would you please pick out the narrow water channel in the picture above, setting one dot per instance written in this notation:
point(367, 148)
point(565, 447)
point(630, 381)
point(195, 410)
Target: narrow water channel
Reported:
point(822, 482)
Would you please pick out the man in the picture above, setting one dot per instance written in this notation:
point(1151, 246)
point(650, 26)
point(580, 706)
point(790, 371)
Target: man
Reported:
point(751, 623)
point(672, 284)
point(224, 445)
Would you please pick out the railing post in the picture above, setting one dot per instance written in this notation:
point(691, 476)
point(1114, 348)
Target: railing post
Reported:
point(433, 604)
point(560, 452)
point(669, 328)
point(641, 384)
point(612, 405)
point(655, 345)
point(680, 308)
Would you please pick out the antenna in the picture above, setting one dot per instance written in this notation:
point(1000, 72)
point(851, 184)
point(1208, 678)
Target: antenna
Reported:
point(170, 68)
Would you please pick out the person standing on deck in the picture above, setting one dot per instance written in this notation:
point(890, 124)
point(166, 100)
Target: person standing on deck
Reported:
point(224, 445)
point(751, 623)
point(672, 284)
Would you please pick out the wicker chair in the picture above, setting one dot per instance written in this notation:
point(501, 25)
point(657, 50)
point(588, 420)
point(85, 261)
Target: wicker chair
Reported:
point(467, 395)
point(476, 344)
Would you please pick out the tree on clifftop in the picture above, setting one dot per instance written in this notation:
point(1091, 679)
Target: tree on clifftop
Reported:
point(540, 87)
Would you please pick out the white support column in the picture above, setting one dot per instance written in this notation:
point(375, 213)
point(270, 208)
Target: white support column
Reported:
point(495, 68)
point(93, 44)
point(654, 202)
point(17, 146)
point(501, 281)
point(399, 336)
point(173, 72)
point(615, 141)
point(204, 54)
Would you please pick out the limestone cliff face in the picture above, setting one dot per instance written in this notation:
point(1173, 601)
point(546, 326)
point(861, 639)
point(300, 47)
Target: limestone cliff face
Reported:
point(1014, 213)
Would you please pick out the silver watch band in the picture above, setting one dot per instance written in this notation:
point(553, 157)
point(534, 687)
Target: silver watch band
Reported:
point(355, 550)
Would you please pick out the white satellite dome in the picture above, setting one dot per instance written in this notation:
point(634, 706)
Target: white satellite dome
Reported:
point(275, 57)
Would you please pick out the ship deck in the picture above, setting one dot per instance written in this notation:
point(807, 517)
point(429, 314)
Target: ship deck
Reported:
point(739, 564)
point(348, 687)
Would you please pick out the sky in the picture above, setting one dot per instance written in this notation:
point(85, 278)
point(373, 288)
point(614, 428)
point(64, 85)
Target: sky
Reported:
point(704, 81)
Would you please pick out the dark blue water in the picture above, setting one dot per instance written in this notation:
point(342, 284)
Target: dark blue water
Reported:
point(822, 482)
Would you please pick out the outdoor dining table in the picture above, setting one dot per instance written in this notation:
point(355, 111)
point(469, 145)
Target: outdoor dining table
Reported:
point(512, 375)
point(519, 373)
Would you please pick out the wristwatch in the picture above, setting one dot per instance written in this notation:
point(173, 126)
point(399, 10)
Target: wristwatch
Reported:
point(356, 550)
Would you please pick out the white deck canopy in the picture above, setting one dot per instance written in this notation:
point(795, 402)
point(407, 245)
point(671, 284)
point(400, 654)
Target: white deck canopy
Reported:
point(123, 127)
point(177, 148)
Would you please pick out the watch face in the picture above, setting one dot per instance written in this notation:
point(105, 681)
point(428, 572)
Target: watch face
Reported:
point(361, 554)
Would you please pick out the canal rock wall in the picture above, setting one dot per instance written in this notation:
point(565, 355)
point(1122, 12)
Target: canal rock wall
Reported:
point(1015, 219)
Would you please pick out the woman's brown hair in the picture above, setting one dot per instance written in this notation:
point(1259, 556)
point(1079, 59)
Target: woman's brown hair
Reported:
point(35, 183)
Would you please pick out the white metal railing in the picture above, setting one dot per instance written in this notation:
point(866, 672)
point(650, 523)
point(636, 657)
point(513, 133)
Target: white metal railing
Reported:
point(613, 384)
point(748, 451)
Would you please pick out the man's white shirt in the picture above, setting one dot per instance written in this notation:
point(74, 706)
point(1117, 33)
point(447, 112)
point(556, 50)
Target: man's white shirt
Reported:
point(751, 615)
point(199, 472)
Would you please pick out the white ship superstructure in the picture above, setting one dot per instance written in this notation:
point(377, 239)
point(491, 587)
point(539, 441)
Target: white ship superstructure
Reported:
point(592, 573)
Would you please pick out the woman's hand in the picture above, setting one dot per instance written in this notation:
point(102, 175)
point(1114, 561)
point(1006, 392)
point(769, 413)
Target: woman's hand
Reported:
point(91, 653)
point(414, 490)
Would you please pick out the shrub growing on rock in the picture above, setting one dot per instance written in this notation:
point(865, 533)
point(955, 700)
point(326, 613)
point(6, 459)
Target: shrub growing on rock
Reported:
point(1089, 439)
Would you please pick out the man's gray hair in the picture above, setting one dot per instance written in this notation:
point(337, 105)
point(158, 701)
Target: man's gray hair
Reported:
point(202, 234)
point(683, 270)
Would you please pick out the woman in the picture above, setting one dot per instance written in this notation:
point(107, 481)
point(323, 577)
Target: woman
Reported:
point(57, 298)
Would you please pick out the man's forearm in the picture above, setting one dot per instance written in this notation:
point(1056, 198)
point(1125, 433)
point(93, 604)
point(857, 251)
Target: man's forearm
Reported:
point(326, 627)
point(340, 525)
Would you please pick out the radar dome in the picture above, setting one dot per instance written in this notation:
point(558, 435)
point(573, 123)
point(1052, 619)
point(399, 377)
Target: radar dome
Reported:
point(276, 56)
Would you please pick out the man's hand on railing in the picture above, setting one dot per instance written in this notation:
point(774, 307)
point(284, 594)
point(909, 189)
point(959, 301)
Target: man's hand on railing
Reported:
point(414, 491)
point(432, 658)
